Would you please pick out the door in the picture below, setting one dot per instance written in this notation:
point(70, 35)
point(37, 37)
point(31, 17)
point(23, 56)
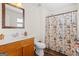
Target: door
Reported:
point(15, 52)
point(28, 50)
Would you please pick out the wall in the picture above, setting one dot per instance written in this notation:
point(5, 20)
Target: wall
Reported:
point(62, 8)
point(78, 21)
point(35, 18)
point(58, 8)
point(34, 22)
point(8, 32)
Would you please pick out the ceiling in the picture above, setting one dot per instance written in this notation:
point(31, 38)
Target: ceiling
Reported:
point(54, 6)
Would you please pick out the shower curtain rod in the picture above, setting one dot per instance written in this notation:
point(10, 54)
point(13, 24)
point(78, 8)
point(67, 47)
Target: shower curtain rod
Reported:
point(62, 13)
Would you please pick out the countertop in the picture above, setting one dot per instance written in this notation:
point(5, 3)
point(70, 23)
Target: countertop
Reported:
point(14, 39)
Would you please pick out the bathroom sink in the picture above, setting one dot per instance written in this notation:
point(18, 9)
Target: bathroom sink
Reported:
point(14, 39)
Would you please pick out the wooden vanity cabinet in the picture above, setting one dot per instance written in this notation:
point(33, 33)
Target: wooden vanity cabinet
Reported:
point(19, 48)
point(28, 50)
point(15, 52)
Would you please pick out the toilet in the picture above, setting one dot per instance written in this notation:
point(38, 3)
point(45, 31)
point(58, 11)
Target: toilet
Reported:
point(77, 50)
point(39, 48)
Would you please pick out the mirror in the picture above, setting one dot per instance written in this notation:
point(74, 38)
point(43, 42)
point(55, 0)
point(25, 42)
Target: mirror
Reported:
point(12, 16)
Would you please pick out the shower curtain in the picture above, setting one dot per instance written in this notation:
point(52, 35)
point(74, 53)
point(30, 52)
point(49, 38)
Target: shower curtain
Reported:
point(61, 33)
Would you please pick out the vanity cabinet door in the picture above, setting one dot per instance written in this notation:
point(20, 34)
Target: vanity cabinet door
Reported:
point(20, 48)
point(28, 50)
point(15, 52)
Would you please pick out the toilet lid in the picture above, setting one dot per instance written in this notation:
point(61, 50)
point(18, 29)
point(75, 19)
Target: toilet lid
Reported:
point(40, 44)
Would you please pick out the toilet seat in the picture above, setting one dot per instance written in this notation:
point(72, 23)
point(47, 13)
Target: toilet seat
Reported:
point(40, 45)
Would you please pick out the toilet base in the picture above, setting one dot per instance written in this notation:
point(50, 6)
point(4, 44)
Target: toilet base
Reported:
point(40, 52)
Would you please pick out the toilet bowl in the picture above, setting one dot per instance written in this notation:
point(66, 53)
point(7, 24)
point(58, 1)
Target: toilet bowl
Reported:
point(39, 48)
point(77, 50)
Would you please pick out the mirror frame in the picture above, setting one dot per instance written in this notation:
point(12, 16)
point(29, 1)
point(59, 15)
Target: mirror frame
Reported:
point(4, 18)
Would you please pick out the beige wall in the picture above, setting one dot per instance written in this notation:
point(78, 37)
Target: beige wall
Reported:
point(62, 8)
point(35, 19)
point(34, 22)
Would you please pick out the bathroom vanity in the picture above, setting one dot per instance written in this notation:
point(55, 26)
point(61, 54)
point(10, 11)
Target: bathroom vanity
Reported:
point(24, 47)
point(16, 44)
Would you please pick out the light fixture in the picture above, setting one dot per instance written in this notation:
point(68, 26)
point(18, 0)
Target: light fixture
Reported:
point(17, 4)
